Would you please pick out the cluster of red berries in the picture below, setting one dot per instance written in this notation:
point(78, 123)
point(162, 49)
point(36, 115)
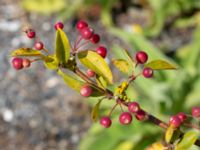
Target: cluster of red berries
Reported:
point(179, 118)
point(20, 63)
point(141, 58)
point(87, 33)
point(125, 118)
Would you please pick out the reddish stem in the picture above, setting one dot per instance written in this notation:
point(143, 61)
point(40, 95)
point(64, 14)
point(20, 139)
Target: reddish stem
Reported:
point(85, 77)
point(121, 107)
point(82, 45)
point(113, 108)
point(110, 94)
point(45, 50)
point(191, 126)
point(78, 40)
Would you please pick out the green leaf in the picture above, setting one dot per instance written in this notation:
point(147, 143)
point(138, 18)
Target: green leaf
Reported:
point(71, 81)
point(95, 62)
point(122, 65)
point(43, 6)
point(50, 62)
point(95, 111)
point(128, 57)
point(62, 47)
point(101, 82)
point(169, 133)
point(188, 140)
point(26, 52)
point(76, 84)
point(160, 65)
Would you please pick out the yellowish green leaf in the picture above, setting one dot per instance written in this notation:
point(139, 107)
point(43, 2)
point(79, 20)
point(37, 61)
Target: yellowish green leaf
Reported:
point(62, 47)
point(160, 65)
point(169, 133)
point(125, 145)
point(156, 146)
point(76, 84)
point(43, 6)
point(95, 111)
point(50, 62)
point(129, 58)
point(26, 52)
point(188, 140)
point(71, 81)
point(122, 65)
point(101, 82)
point(95, 62)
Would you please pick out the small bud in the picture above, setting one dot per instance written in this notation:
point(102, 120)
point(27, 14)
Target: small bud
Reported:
point(182, 116)
point(26, 63)
point(147, 72)
point(133, 107)
point(102, 51)
point(140, 115)
point(125, 118)
point(39, 45)
point(59, 25)
point(105, 121)
point(86, 91)
point(175, 121)
point(196, 112)
point(87, 33)
point(90, 73)
point(141, 57)
point(17, 63)
point(81, 24)
point(95, 38)
point(30, 33)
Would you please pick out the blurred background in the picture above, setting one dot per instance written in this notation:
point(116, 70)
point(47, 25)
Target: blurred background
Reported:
point(39, 112)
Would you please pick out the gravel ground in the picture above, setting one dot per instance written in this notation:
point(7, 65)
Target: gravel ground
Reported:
point(37, 110)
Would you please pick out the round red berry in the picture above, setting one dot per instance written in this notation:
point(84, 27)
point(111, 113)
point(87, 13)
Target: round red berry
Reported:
point(86, 91)
point(125, 118)
point(30, 33)
point(105, 121)
point(102, 51)
point(182, 116)
point(196, 111)
point(175, 121)
point(90, 73)
point(17, 63)
point(87, 33)
point(140, 115)
point(81, 24)
point(141, 57)
point(147, 72)
point(39, 45)
point(133, 107)
point(95, 38)
point(26, 63)
point(59, 25)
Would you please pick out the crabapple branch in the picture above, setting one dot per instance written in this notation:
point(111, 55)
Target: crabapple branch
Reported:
point(119, 95)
